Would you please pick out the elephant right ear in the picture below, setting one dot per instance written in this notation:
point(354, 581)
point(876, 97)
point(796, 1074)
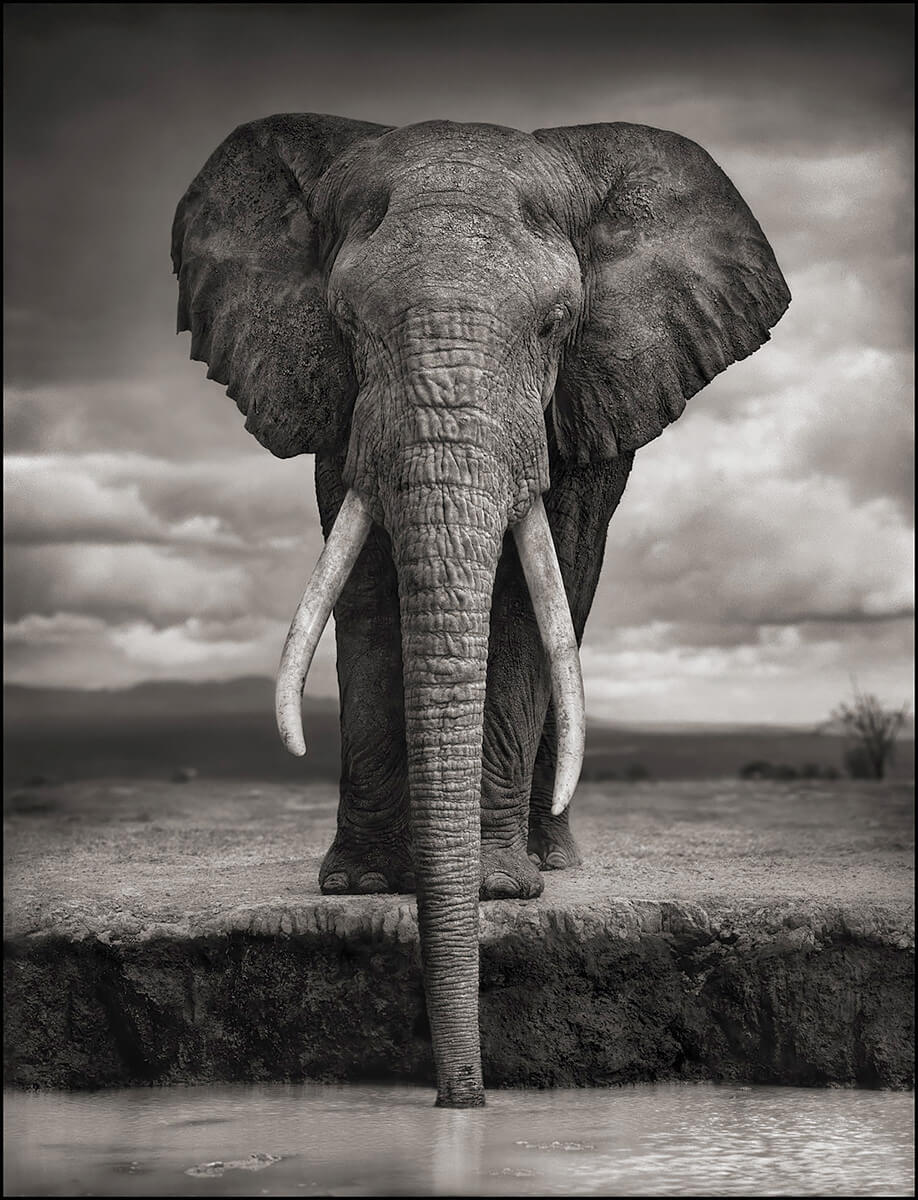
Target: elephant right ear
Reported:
point(679, 282)
point(251, 289)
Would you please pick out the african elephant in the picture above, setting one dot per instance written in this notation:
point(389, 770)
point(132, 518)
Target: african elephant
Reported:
point(460, 320)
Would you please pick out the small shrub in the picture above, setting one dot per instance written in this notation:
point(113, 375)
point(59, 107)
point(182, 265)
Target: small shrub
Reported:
point(871, 731)
point(759, 769)
point(784, 771)
point(859, 764)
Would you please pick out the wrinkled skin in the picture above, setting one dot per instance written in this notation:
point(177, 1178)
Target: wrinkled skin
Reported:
point(457, 319)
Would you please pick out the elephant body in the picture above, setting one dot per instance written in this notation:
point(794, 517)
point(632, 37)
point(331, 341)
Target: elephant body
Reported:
point(473, 329)
point(371, 852)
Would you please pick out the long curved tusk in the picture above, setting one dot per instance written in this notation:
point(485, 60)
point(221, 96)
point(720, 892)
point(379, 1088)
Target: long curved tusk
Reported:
point(336, 561)
point(543, 575)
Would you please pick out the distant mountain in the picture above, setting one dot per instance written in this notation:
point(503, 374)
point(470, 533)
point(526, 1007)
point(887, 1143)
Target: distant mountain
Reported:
point(226, 730)
point(223, 730)
point(168, 697)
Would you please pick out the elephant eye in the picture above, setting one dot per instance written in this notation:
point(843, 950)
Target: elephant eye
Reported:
point(552, 320)
point(344, 315)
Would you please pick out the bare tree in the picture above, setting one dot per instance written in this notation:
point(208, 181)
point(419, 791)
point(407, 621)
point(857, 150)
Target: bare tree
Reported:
point(873, 730)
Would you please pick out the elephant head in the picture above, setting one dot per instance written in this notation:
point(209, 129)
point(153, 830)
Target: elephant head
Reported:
point(425, 300)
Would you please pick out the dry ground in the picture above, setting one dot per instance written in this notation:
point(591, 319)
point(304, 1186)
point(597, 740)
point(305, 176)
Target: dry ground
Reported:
point(105, 851)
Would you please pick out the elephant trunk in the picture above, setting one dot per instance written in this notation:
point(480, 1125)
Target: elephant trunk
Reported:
point(446, 546)
point(446, 508)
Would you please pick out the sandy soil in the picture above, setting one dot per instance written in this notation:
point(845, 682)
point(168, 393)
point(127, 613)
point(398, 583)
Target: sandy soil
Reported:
point(122, 855)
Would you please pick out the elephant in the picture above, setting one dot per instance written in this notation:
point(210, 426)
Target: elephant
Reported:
point(473, 329)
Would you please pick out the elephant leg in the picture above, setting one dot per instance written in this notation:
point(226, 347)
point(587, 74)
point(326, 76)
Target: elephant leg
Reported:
point(550, 841)
point(371, 851)
point(579, 507)
point(517, 695)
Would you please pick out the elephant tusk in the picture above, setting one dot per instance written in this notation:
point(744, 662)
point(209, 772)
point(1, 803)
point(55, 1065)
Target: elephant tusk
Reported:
point(543, 575)
point(336, 561)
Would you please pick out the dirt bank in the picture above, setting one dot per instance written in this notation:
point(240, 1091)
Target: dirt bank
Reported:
point(174, 932)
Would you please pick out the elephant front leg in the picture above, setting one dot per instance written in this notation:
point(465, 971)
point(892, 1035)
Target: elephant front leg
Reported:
point(517, 695)
point(550, 842)
point(371, 851)
point(519, 833)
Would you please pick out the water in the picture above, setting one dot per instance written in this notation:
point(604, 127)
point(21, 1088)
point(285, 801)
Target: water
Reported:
point(316, 1140)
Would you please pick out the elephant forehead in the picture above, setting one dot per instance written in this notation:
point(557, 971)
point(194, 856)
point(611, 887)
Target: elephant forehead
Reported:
point(437, 157)
point(498, 143)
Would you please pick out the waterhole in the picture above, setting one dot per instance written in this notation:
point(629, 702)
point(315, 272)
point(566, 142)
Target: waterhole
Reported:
point(349, 1140)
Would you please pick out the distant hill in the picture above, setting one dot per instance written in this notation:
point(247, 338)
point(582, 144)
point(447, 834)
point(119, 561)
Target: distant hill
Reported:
point(227, 730)
point(248, 693)
point(224, 730)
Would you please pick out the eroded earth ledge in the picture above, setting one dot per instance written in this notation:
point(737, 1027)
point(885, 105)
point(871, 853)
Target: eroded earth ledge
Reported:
point(174, 932)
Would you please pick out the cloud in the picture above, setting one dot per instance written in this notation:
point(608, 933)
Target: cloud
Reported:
point(126, 566)
point(195, 643)
point(70, 650)
point(51, 500)
point(862, 428)
point(92, 183)
point(785, 674)
point(174, 413)
point(121, 582)
point(231, 504)
point(707, 525)
point(850, 213)
point(846, 413)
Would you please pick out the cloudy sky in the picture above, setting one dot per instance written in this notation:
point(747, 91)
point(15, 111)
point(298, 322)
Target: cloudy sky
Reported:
point(763, 553)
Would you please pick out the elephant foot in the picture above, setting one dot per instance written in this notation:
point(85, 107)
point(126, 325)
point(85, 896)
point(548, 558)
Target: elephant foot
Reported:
point(552, 846)
point(360, 870)
point(507, 874)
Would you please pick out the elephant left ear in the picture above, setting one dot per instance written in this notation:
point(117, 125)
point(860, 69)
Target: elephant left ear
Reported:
point(679, 282)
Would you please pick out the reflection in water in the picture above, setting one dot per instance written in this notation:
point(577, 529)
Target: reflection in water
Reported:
point(314, 1140)
point(458, 1138)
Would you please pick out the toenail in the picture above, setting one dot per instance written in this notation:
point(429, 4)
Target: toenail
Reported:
point(335, 882)
point(372, 881)
point(501, 884)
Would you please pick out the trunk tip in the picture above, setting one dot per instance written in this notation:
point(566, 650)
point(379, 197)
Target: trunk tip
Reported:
point(474, 1101)
point(461, 1088)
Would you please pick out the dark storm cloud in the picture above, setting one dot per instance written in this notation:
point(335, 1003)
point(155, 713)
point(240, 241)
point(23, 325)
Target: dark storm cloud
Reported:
point(114, 108)
point(151, 537)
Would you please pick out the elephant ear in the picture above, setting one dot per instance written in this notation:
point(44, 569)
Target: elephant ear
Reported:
point(679, 282)
point(251, 290)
